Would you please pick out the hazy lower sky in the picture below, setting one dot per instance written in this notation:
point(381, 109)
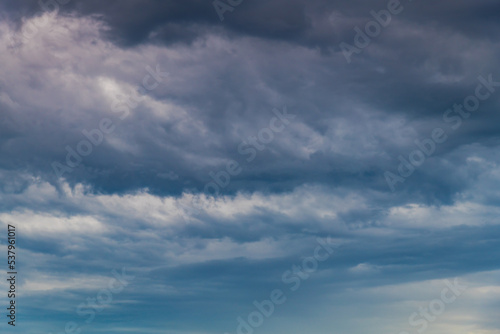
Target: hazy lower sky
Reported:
point(215, 150)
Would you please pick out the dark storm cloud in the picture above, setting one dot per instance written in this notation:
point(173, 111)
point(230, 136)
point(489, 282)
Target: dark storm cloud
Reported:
point(352, 120)
point(134, 22)
point(128, 202)
point(297, 21)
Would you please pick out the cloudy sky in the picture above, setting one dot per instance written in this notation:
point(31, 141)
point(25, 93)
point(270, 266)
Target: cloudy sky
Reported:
point(202, 148)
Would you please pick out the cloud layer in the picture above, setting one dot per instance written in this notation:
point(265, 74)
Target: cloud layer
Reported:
point(263, 106)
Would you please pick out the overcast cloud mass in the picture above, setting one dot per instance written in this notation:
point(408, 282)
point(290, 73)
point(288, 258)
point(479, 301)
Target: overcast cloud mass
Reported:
point(207, 146)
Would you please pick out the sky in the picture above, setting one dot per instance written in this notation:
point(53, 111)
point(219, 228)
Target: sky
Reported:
point(240, 167)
